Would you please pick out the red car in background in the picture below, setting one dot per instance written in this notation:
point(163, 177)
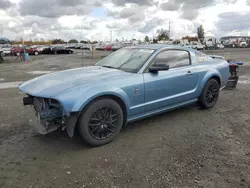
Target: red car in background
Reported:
point(108, 47)
point(29, 50)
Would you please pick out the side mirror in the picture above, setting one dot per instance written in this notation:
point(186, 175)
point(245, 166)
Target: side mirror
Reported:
point(158, 67)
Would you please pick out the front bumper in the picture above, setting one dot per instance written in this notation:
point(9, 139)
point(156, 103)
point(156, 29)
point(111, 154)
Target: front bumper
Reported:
point(44, 126)
point(48, 114)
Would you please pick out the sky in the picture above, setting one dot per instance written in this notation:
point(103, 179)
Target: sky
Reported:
point(121, 19)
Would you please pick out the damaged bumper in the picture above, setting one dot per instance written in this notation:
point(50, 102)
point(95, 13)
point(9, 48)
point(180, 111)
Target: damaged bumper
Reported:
point(50, 116)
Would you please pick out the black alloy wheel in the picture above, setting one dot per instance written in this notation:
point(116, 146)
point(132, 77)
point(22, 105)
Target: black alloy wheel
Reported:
point(210, 94)
point(103, 123)
point(100, 122)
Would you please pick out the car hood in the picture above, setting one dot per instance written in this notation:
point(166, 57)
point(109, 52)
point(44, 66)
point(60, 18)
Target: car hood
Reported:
point(51, 84)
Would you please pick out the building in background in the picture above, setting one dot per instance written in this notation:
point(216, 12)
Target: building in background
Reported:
point(236, 41)
point(4, 40)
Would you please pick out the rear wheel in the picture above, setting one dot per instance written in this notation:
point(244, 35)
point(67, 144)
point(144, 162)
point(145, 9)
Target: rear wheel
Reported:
point(101, 122)
point(210, 94)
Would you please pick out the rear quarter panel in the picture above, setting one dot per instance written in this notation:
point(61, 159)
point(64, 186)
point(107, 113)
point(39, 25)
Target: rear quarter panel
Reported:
point(209, 69)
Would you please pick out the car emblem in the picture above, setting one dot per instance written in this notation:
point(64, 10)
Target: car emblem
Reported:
point(137, 93)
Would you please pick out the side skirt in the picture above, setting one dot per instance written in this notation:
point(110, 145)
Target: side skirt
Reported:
point(159, 111)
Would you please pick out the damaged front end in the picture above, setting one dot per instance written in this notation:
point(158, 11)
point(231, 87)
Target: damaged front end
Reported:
point(50, 115)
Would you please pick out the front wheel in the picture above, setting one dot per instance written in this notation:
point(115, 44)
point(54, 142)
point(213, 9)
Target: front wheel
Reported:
point(101, 122)
point(210, 94)
point(36, 53)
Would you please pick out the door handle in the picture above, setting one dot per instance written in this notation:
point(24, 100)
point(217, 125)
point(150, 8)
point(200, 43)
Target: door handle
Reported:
point(189, 73)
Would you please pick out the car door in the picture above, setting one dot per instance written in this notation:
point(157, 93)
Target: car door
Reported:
point(169, 87)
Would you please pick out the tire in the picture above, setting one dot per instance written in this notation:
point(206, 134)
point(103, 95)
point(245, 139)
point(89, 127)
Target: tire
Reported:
point(96, 132)
point(55, 52)
point(210, 94)
point(36, 53)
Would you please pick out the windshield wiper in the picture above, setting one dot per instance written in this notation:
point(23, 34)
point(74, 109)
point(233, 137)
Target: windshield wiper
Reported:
point(108, 67)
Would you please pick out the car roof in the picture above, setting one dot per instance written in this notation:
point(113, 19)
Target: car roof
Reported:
point(161, 46)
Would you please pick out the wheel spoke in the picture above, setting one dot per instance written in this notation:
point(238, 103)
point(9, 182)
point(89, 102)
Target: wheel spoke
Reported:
point(112, 125)
point(99, 114)
point(100, 133)
point(112, 116)
point(103, 113)
point(95, 129)
point(111, 130)
point(102, 124)
point(105, 132)
point(111, 121)
point(94, 119)
point(215, 91)
point(94, 124)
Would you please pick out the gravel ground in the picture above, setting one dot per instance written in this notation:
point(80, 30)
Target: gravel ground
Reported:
point(188, 147)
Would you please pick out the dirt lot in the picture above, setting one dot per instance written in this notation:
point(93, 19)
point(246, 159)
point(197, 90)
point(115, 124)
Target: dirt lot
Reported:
point(188, 147)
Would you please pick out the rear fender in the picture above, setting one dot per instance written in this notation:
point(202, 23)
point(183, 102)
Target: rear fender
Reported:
point(207, 77)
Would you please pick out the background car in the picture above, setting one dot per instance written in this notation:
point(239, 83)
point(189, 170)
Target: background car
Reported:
point(108, 47)
point(6, 51)
point(61, 50)
point(46, 50)
point(197, 46)
point(219, 46)
point(116, 47)
point(31, 51)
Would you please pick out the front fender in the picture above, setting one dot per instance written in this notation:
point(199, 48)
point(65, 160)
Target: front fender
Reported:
point(85, 99)
point(77, 98)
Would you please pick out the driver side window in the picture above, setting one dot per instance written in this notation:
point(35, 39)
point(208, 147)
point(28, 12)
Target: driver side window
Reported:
point(173, 58)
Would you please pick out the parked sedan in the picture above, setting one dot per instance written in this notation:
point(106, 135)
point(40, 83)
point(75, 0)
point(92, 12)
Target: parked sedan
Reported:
point(61, 50)
point(6, 51)
point(116, 47)
point(108, 47)
point(29, 50)
point(128, 85)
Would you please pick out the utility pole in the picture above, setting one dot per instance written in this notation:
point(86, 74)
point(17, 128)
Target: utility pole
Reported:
point(110, 35)
point(169, 29)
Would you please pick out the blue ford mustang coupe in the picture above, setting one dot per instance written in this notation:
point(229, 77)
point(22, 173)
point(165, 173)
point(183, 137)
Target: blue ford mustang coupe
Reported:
point(128, 85)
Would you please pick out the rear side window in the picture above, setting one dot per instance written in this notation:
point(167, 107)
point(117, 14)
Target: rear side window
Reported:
point(200, 57)
point(173, 58)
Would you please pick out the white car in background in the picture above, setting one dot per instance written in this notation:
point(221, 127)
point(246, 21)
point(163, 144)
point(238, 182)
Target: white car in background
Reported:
point(6, 51)
point(197, 46)
point(220, 46)
point(243, 44)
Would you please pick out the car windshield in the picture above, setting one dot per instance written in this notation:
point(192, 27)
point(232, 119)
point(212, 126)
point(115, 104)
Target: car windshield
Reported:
point(126, 59)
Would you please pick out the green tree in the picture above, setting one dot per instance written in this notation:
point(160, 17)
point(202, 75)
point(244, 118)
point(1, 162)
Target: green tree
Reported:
point(84, 41)
point(200, 32)
point(146, 39)
point(73, 41)
point(162, 34)
point(57, 41)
